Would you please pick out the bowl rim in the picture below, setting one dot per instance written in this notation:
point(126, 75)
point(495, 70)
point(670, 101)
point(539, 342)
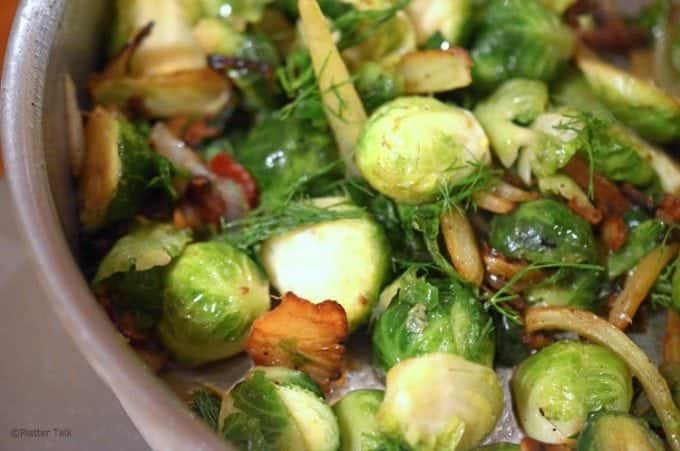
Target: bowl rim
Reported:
point(164, 422)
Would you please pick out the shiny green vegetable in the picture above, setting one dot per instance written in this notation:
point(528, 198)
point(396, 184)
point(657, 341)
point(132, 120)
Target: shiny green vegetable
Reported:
point(617, 431)
point(212, 295)
point(441, 402)
point(262, 413)
point(280, 152)
point(555, 389)
point(640, 240)
point(543, 231)
point(638, 103)
point(377, 85)
point(433, 316)
point(435, 144)
point(567, 288)
point(519, 38)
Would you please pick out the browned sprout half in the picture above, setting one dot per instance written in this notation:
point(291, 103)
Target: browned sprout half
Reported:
point(301, 335)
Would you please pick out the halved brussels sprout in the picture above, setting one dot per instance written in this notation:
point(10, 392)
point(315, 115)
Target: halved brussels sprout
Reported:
point(555, 389)
point(118, 168)
point(638, 103)
point(433, 316)
point(519, 38)
point(543, 231)
point(617, 431)
point(506, 114)
point(441, 402)
point(213, 293)
point(413, 146)
point(280, 415)
point(449, 18)
point(346, 261)
point(357, 417)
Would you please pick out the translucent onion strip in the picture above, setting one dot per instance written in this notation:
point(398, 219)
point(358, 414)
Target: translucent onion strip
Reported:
point(639, 282)
point(493, 203)
point(341, 101)
point(461, 244)
point(512, 193)
point(671, 339)
point(602, 332)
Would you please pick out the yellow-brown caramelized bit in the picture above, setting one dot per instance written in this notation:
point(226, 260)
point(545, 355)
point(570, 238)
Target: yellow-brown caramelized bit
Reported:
point(529, 444)
point(301, 335)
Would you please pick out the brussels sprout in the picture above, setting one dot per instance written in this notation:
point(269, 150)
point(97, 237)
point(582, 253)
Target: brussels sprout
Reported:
point(377, 85)
point(567, 288)
point(639, 242)
point(119, 168)
point(413, 146)
point(506, 113)
point(519, 38)
point(639, 104)
point(433, 316)
point(557, 142)
point(262, 413)
point(448, 18)
point(169, 48)
point(134, 268)
point(573, 91)
point(543, 231)
point(213, 293)
point(237, 12)
point(280, 152)
point(441, 402)
point(556, 388)
point(617, 431)
point(359, 428)
point(345, 260)
point(289, 377)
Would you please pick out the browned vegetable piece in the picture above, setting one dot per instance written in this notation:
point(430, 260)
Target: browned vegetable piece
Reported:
point(671, 339)
point(430, 71)
point(669, 209)
point(301, 335)
point(608, 198)
point(614, 232)
point(461, 244)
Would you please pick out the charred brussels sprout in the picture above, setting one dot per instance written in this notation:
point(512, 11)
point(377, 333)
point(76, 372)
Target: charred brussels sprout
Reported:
point(346, 260)
point(413, 146)
point(441, 402)
point(519, 38)
point(118, 170)
point(433, 316)
point(556, 388)
point(280, 152)
point(638, 103)
point(543, 231)
point(212, 295)
point(262, 413)
point(617, 431)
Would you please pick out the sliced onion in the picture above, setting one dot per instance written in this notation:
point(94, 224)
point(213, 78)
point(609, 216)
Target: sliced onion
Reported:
point(461, 244)
point(75, 131)
point(512, 193)
point(183, 157)
point(600, 331)
point(495, 204)
point(639, 282)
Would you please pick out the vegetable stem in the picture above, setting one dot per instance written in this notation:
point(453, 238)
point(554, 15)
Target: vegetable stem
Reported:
point(602, 332)
point(341, 102)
